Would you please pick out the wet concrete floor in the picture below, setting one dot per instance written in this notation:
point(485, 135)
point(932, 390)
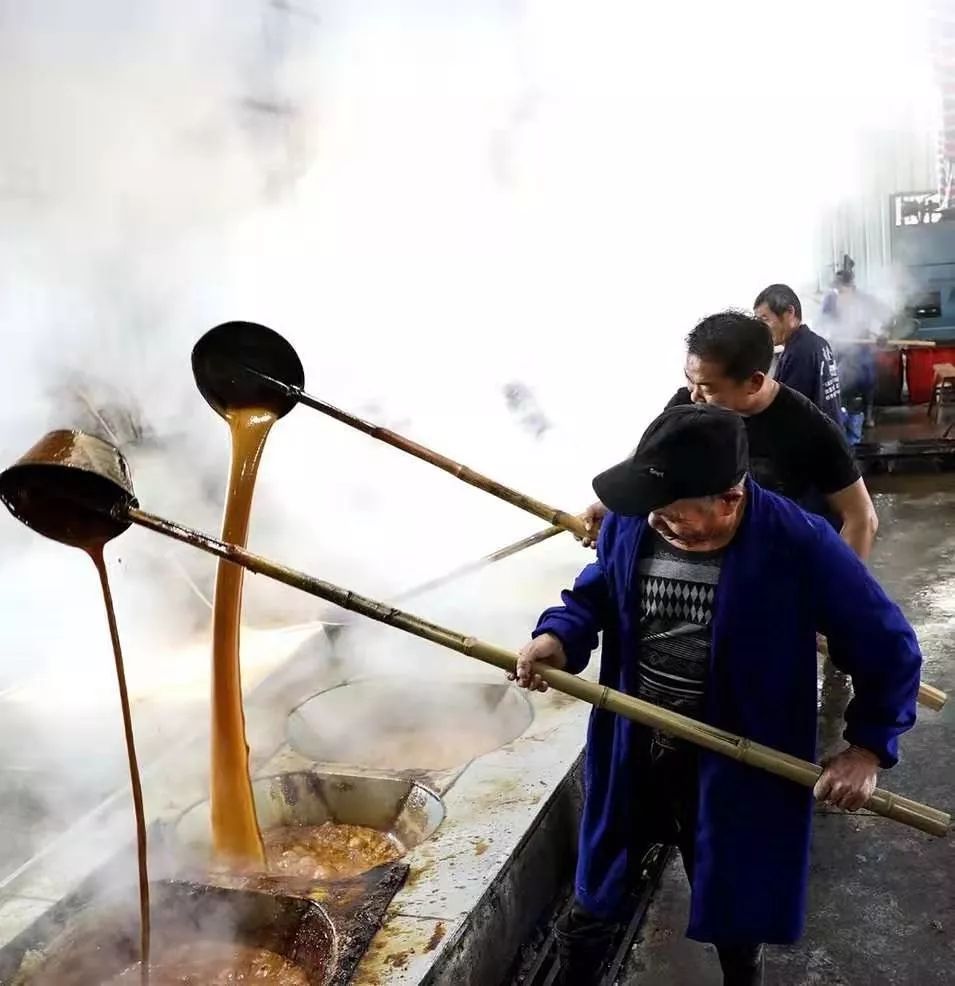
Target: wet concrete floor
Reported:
point(882, 896)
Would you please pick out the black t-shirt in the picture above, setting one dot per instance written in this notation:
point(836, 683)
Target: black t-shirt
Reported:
point(795, 450)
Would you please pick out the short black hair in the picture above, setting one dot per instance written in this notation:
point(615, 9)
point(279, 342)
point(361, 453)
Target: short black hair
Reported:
point(846, 274)
point(778, 298)
point(741, 344)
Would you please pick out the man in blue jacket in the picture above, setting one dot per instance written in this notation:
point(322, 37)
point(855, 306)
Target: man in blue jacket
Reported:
point(709, 592)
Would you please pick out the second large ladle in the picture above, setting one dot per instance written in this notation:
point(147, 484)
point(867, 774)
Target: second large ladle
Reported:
point(243, 364)
point(234, 363)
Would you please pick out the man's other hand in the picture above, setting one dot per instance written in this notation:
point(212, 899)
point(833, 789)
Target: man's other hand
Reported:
point(545, 649)
point(592, 517)
point(849, 778)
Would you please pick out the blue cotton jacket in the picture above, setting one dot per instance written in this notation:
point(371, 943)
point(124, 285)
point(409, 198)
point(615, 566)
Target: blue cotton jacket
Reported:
point(808, 366)
point(785, 576)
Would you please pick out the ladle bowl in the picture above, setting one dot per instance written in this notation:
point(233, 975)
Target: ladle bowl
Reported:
point(222, 358)
point(71, 487)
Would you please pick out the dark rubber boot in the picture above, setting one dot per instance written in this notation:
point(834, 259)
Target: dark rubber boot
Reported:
point(743, 965)
point(583, 942)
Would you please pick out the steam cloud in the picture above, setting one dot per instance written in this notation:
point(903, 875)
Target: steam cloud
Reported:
point(432, 201)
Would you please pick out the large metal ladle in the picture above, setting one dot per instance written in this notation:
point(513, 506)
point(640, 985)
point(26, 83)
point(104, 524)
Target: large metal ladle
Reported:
point(108, 491)
point(234, 362)
point(71, 487)
point(242, 364)
point(76, 489)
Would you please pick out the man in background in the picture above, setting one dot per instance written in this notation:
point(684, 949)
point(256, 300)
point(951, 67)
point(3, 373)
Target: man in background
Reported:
point(854, 321)
point(806, 363)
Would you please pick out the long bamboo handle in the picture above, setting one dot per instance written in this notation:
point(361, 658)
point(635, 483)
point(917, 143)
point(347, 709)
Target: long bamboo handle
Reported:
point(894, 806)
point(559, 518)
point(931, 697)
point(469, 568)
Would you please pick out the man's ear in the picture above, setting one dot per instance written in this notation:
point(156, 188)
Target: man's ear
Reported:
point(732, 497)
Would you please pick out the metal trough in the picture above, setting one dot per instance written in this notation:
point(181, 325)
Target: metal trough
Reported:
point(89, 943)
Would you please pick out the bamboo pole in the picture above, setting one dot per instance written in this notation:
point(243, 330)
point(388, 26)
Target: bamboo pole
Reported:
point(469, 568)
point(931, 697)
point(559, 518)
point(922, 817)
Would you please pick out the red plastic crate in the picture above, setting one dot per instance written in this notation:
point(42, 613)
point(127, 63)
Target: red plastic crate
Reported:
point(920, 370)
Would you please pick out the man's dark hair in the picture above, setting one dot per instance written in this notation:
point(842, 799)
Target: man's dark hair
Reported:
point(778, 298)
point(740, 344)
point(846, 274)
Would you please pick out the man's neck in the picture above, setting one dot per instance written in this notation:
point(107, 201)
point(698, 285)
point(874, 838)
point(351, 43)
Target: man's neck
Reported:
point(786, 334)
point(763, 398)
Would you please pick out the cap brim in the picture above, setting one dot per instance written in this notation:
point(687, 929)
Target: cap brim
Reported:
point(631, 491)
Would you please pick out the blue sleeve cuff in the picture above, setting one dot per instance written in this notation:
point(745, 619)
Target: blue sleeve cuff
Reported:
point(884, 746)
point(577, 657)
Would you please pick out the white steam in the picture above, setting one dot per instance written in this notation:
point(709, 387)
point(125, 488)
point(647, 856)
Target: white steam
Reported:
point(434, 202)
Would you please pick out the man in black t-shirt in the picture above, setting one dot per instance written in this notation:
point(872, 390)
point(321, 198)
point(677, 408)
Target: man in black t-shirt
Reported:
point(795, 449)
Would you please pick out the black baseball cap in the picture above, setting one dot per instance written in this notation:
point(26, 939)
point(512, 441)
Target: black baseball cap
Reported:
point(689, 451)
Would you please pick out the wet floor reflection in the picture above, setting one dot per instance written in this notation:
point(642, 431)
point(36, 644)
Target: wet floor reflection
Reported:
point(914, 557)
point(914, 560)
